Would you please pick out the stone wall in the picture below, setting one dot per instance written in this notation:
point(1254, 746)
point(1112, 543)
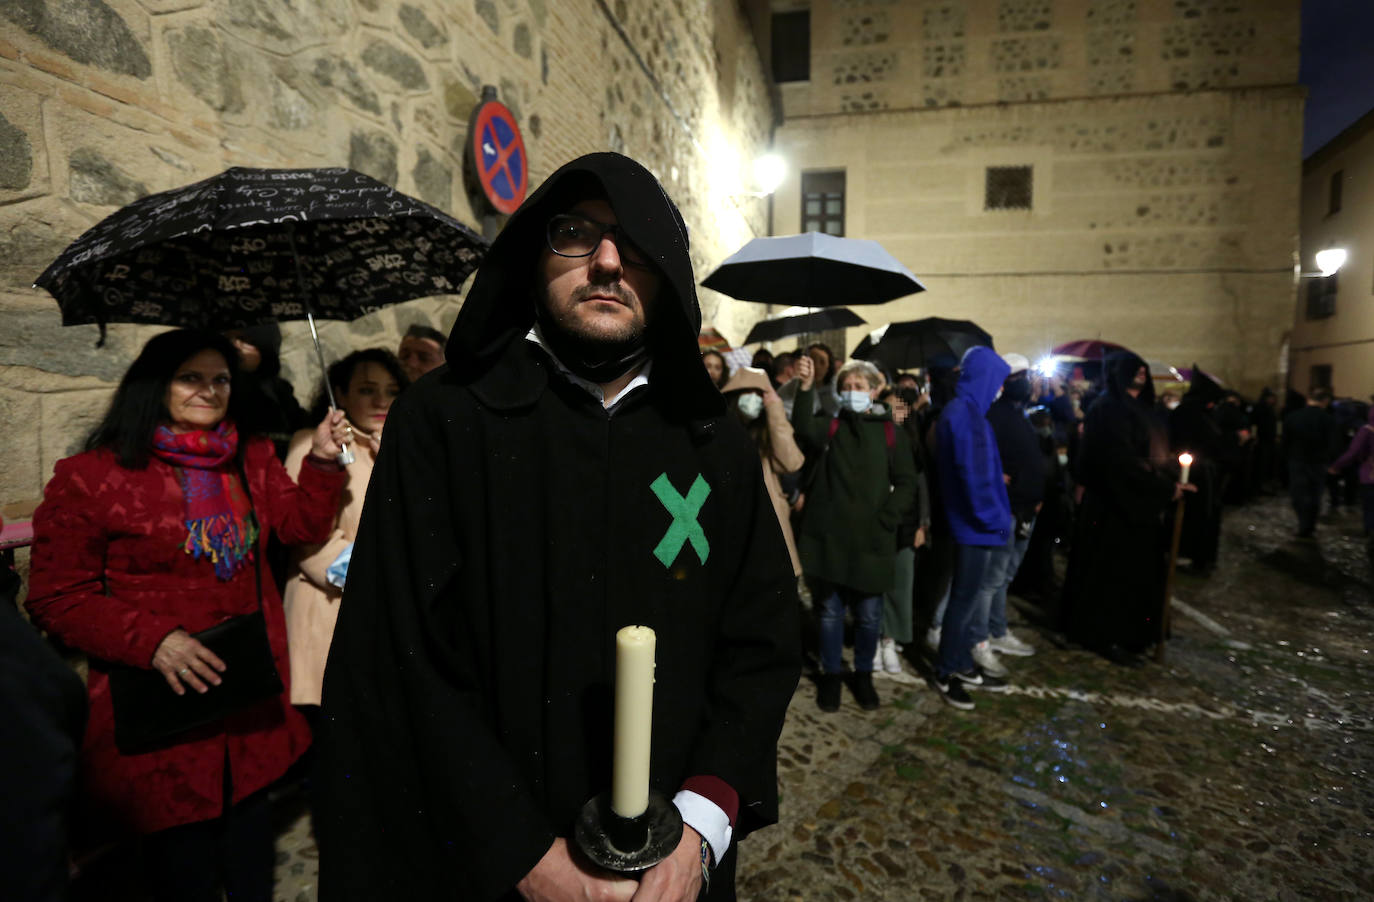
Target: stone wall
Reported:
point(1164, 223)
point(103, 101)
point(908, 54)
point(1162, 219)
point(1344, 341)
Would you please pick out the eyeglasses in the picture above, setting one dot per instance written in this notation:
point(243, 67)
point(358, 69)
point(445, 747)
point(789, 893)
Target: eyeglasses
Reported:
point(571, 235)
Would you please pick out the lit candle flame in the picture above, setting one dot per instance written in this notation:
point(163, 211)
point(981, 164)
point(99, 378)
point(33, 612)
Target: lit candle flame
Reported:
point(1185, 459)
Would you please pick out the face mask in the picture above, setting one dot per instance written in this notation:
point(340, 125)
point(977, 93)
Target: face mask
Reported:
point(1045, 431)
point(857, 401)
point(1171, 403)
point(1063, 460)
point(750, 405)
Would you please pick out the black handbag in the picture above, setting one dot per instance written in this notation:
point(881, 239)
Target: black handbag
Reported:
point(148, 714)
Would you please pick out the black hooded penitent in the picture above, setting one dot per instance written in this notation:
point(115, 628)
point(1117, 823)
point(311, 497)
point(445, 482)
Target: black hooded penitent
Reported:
point(511, 527)
point(1115, 585)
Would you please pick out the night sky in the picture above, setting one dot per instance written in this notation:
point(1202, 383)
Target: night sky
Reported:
point(1337, 67)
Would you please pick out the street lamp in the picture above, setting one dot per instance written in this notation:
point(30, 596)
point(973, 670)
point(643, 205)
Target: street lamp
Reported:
point(769, 172)
point(1330, 260)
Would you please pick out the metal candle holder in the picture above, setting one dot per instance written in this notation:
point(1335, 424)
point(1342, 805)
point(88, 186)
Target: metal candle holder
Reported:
point(628, 845)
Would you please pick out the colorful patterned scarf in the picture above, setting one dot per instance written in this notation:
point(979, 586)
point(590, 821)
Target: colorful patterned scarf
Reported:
point(219, 516)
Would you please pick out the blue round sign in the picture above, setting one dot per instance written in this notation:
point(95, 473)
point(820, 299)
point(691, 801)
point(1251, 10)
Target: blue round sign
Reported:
point(498, 150)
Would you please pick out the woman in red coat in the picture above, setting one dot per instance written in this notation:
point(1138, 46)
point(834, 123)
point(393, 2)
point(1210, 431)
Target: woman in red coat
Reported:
point(148, 537)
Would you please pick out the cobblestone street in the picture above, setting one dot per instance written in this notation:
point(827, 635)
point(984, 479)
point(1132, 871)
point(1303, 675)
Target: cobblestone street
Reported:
point(1238, 770)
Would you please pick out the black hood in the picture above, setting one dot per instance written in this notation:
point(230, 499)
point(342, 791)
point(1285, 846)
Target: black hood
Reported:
point(266, 337)
point(1204, 388)
point(1121, 368)
point(500, 305)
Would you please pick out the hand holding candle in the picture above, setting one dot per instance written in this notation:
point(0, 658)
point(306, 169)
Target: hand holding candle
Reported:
point(1185, 460)
point(634, 708)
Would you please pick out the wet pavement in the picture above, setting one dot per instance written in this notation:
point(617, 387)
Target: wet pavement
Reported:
point(1239, 769)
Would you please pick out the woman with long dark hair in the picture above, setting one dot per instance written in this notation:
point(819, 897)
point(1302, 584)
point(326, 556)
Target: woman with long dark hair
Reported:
point(151, 535)
point(716, 367)
point(364, 383)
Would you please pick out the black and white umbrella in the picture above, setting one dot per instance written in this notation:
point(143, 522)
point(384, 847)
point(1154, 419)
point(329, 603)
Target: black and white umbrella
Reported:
point(815, 321)
point(813, 270)
point(251, 246)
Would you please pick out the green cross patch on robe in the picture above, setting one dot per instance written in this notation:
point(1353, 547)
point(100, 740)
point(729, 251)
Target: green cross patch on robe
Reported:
point(685, 528)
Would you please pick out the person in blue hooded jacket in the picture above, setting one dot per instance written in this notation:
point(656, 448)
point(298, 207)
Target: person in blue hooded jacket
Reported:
point(979, 514)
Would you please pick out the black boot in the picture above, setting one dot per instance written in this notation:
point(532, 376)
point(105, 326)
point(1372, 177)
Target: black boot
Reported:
point(828, 692)
point(864, 693)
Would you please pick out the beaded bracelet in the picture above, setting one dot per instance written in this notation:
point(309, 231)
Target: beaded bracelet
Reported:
point(705, 868)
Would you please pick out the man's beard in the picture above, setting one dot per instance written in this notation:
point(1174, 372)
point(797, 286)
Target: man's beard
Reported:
point(597, 354)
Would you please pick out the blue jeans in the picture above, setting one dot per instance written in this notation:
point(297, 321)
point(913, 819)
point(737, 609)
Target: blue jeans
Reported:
point(1000, 574)
point(966, 614)
point(868, 619)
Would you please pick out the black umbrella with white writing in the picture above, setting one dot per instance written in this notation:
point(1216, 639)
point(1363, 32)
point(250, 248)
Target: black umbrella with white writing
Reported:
point(252, 246)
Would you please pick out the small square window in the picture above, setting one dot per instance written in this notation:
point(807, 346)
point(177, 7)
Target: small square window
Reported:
point(1007, 188)
point(1321, 297)
point(1333, 197)
point(791, 46)
point(823, 202)
point(1321, 377)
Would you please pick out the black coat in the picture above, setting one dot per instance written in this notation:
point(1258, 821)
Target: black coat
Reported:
point(1022, 457)
point(44, 704)
point(511, 527)
point(1115, 585)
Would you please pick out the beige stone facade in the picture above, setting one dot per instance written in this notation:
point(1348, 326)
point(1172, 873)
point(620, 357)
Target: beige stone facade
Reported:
point(1339, 334)
point(103, 101)
point(1164, 145)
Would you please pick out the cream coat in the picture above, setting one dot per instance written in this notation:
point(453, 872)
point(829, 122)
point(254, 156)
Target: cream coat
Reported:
point(789, 459)
point(312, 604)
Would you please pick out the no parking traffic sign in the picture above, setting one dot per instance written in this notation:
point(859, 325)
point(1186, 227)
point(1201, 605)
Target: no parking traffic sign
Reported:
point(498, 156)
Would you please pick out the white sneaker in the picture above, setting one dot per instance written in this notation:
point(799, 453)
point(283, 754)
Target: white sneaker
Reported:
point(1010, 645)
point(986, 658)
point(891, 668)
point(933, 638)
point(887, 650)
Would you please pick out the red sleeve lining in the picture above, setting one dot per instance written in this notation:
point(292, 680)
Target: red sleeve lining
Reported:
point(717, 791)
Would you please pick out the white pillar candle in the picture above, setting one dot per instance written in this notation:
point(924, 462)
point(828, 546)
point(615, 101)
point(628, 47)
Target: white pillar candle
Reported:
point(1185, 460)
point(634, 711)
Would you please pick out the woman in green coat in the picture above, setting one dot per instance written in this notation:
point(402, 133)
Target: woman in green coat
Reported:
point(865, 482)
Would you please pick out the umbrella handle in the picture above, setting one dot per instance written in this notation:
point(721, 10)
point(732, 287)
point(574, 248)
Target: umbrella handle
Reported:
point(345, 455)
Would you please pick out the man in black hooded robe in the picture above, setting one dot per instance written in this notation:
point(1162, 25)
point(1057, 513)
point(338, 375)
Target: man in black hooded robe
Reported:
point(1194, 428)
point(570, 472)
point(1114, 590)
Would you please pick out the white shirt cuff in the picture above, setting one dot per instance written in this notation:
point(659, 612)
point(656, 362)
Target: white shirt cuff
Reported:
point(705, 817)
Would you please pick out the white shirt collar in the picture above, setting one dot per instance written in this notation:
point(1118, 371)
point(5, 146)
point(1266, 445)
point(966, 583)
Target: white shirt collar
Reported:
point(610, 404)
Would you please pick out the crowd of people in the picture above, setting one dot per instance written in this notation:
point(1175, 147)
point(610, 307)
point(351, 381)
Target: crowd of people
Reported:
point(923, 497)
point(206, 494)
point(433, 559)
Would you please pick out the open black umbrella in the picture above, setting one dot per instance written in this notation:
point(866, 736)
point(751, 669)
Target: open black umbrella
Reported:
point(813, 270)
point(817, 321)
point(922, 342)
point(250, 246)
